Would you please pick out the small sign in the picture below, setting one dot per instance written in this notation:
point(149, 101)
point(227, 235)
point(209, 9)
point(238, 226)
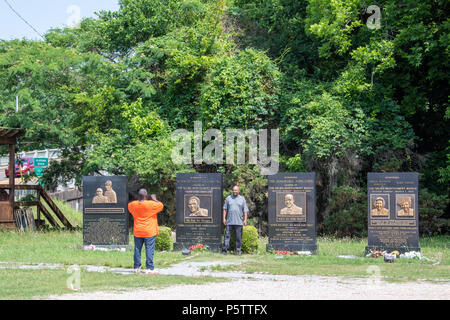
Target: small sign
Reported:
point(41, 162)
point(39, 172)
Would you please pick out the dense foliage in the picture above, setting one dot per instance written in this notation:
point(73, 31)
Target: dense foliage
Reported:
point(347, 98)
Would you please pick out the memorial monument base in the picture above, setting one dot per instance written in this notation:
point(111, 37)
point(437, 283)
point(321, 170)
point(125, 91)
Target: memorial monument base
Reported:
point(215, 247)
point(107, 248)
point(400, 249)
point(292, 247)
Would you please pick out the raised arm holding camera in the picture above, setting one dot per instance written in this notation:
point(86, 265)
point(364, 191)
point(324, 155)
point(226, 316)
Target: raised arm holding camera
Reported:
point(145, 213)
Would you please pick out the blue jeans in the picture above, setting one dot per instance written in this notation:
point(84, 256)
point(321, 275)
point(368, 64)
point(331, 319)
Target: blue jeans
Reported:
point(229, 230)
point(149, 251)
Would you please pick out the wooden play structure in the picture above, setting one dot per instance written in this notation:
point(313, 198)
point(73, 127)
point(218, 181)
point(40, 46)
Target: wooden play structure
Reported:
point(9, 209)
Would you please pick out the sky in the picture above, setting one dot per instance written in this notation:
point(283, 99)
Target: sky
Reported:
point(46, 14)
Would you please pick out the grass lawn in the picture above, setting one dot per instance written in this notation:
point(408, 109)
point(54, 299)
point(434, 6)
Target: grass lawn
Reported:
point(64, 247)
point(39, 284)
point(327, 262)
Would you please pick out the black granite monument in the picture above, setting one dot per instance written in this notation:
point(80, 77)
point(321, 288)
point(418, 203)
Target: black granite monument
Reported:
point(292, 212)
point(105, 211)
point(199, 210)
point(393, 211)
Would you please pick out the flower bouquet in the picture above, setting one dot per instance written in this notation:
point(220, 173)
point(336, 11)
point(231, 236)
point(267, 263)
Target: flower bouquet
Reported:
point(284, 253)
point(198, 247)
point(374, 254)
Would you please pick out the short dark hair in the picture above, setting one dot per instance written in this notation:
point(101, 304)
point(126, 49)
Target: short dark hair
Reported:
point(142, 194)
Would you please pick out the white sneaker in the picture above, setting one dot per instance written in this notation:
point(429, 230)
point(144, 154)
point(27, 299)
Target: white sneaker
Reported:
point(137, 270)
point(150, 272)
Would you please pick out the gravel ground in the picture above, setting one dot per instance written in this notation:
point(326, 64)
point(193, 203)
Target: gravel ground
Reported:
point(300, 288)
point(244, 286)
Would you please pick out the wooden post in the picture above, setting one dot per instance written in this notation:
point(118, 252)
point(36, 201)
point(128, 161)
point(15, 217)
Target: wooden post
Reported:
point(38, 209)
point(7, 208)
point(12, 173)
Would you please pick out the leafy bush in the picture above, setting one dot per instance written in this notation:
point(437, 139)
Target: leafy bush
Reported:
point(431, 209)
point(250, 240)
point(164, 240)
point(347, 210)
point(241, 91)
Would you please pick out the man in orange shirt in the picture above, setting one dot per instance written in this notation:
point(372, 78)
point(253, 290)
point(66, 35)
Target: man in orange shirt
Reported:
point(145, 228)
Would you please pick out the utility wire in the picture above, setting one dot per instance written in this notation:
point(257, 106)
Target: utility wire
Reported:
point(23, 19)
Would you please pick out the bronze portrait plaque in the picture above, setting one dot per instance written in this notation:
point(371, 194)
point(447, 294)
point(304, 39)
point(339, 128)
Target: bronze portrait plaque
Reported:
point(380, 206)
point(405, 205)
point(291, 206)
point(198, 208)
point(109, 196)
point(99, 197)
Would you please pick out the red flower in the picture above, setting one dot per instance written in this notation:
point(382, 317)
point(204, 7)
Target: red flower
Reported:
point(197, 246)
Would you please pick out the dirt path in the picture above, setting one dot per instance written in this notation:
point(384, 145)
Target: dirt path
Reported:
point(243, 286)
point(297, 288)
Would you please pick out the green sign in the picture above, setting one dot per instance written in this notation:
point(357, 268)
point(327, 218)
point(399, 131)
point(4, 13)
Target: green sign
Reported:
point(41, 162)
point(39, 172)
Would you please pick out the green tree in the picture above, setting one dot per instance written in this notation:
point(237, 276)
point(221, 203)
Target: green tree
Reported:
point(46, 80)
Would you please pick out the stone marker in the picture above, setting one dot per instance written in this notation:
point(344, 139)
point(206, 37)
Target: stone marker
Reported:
point(105, 211)
point(199, 210)
point(292, 212)
point(393, 211)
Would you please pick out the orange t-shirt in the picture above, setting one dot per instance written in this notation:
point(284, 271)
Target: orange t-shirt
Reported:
point(145, 217)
